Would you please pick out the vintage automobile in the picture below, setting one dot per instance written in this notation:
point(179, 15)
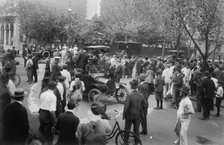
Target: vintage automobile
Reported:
point(93, 87)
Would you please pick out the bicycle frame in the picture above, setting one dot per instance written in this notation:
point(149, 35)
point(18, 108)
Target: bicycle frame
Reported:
point(114, 131)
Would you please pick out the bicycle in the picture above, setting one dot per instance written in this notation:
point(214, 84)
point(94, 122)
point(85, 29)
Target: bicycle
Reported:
point(120, 134)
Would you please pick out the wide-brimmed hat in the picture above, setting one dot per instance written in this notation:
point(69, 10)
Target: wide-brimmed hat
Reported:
point(19, 92)
point(134, 84)
point(52, 84)
point(185, 89)
point(142, 76)
point(61, 78)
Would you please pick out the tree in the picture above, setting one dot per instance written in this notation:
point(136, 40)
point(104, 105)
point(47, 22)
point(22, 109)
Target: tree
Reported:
point(201, 20)
point(130, 19)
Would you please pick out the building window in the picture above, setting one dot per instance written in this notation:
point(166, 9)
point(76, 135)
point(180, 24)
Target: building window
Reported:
point(7, 34)
point(12, 33)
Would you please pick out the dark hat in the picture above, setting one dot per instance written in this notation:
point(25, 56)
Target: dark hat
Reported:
point(61, 78)
point(52, 85)
point(134, 84)
point(142, 76)
point(19, 92)
point(207, 73)
point(185, 89)
point(159, 71)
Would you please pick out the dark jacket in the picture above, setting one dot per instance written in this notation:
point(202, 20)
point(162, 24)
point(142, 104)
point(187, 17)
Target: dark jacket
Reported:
point(66, 126)
point(35, 62)
point(16, 125)
point(143, 88)
point(159, 83)
point(208, 88)
point(134, 106)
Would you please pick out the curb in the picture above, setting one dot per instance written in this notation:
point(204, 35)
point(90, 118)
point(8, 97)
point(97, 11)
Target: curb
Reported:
point(193, 99)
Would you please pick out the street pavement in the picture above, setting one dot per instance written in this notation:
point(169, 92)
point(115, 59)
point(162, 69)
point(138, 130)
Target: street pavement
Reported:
point(160, 122)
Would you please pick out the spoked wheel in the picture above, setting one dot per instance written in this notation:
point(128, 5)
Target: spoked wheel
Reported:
point(121, 95)
point(17, 80)
point(132, 138)
point(92, 93)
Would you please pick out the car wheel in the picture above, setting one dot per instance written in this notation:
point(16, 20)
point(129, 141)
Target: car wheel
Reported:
point(92, 93)
point(121, 94)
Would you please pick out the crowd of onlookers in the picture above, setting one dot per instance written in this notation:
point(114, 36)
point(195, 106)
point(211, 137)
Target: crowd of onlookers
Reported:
point(61, 94)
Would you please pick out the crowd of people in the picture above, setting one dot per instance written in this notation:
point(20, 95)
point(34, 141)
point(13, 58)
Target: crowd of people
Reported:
point(61, 93)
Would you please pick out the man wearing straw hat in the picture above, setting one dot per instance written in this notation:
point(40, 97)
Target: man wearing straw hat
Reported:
point(184, 113)
point(15, 120)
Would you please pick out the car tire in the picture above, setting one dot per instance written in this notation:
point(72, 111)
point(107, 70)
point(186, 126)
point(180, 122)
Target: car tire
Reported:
point(92, 93)
point(121, 94)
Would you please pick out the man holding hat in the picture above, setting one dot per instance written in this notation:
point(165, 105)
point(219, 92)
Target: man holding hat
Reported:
point(132, 112)
point(47, 110)
point(143, 88)
point(15, 120)
point(184, 113)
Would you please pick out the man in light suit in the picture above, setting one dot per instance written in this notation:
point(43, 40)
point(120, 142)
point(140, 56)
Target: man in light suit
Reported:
point(15, 121)
point(133, 110)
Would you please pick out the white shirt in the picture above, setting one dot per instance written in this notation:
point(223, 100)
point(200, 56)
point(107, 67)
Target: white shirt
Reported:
point(219, 92)
point(48, 101)
point(11, 86)
point(113, 61)
point(73, 83)
point(66, 74)
point(60, 89)
point(167, 75)
point(215, 81)
point(186, 71)
point(185, 106)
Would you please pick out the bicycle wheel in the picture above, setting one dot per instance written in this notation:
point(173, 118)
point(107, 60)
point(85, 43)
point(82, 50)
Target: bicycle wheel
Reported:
point(119, 140)
point(17, 80)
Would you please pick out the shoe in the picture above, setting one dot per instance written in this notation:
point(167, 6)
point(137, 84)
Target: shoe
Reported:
point(175, 107)
point(161, 108)
point(157, 108)
point(203, 118)
point(217, 115)
point(27, 81)
point(143, 132)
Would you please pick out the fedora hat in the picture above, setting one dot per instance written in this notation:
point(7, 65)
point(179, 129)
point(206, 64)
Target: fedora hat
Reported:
point(185, 89)
point(134, 84)
point(142, 76)
point(19, 92)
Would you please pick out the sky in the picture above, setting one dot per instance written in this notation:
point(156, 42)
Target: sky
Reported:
point(93, 8)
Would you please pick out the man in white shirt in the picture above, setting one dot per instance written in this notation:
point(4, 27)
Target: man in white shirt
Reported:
point(184, 113)
point(187, 72)
point(48, 103)
point(66, 74)
point(167, 76)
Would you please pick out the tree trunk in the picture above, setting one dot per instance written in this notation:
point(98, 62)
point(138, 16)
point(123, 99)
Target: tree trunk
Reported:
point(178, 44)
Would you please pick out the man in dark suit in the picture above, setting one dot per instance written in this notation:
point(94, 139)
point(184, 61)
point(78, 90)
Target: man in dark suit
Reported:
point(177, 80)
point(143, 88)
point(35, 60)
point(55, 69)
point(67, 125)
point(15, 121)
point(25, 53)
point(118, 71)
point(133, 110)
point(4, 99)
point(208, 92)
